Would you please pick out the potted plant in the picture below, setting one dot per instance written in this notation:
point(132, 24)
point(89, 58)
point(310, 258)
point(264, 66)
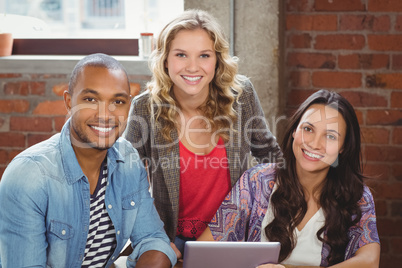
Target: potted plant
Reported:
point(6, 39)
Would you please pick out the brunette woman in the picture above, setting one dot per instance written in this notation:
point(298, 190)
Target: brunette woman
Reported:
point(318, 207)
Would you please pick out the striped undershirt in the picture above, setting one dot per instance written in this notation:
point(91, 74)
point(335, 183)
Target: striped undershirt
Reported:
point(101, 240)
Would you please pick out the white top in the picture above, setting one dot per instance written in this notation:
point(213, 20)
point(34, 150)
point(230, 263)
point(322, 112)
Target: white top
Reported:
point(307, 251)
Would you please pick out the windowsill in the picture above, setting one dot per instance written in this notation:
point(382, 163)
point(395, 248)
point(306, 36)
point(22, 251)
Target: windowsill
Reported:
point(54, 64)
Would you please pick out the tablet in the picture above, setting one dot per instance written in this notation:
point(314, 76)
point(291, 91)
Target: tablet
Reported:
point(210, 254)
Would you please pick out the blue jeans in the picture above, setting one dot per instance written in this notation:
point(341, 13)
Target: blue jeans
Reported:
point(179, 242)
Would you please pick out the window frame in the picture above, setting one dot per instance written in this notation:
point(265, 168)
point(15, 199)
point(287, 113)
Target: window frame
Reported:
point(82, 46)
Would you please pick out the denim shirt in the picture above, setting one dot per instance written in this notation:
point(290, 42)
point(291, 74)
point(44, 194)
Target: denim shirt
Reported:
point(45, 206)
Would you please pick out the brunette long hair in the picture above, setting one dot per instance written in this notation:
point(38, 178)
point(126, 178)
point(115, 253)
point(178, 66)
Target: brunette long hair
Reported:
point(340, 192)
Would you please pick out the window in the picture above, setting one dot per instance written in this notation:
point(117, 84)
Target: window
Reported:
point(76, 22)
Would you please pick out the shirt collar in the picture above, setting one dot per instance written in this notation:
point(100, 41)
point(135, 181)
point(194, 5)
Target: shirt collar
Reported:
point(72, 168)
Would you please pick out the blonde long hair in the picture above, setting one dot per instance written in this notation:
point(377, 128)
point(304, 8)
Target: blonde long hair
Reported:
point(224, 89)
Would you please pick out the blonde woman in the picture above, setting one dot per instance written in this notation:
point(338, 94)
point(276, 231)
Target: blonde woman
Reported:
point(195, 124)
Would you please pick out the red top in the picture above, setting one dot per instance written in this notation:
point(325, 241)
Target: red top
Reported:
point(204, 183)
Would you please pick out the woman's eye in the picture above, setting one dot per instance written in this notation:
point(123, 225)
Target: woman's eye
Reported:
point(181, 55)
point(307, 129)
point(204, 56)
point(331, 137)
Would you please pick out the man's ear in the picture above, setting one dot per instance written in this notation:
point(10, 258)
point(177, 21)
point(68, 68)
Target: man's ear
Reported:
point(67, 101)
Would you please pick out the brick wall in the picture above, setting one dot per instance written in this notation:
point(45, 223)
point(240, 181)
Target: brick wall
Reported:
point(351, 46)
point(32, 109)
point(355, 47)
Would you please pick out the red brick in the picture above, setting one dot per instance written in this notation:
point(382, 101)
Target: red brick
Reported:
point(10, 139)
point(364, 99)
point(397, 171)
point(298, 5)
point(354, 22)
point(398, 23)
point(10, 75)
point(16, 88)
point(380, 208)
point(51, 108)
point(397, 62)
point(375, 135)
point(38, 88)
point(383, 154)
point(325, 23)
point(36, 138)
point(360, 116)
point(59, 122)
point(14, 106)
point(3, 157)
point(396, 211)
point(385, 5)
point(396, 242)
point(37, 124)
point(381, 24)
point(364, 22)
point(311, 60)
point(384, 247)
point(60, 88)
point(351, 5)
point(389, 227)
point(2, 171)
point(24, 88)
point(363, 61)
point(377, 171)
point(385, 80)
point(296, 97)
point(299, 40)
point(300, 79)
point(336, 79)
point(397, 135)
point(385, 42)
point(48, 76)
point(396, 99)
point(311, 22)
point(299, 22)
point(384, 117)
point(7, 155)
point(340, 41)
point(388, 190)
point(389, 260)
point(135, 89)
point(12, 154)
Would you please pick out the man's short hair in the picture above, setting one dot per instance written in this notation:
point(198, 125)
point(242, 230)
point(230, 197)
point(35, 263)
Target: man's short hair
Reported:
point(95, 60)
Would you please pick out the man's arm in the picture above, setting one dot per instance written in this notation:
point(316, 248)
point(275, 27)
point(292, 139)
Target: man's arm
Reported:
point(148, 235)
point(153, 259)
point(22, 216)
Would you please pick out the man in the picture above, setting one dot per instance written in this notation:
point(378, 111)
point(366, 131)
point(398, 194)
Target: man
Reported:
point(75, 199)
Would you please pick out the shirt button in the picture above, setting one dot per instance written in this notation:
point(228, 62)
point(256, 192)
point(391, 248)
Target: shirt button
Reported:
point(109, 206)
point(132, 203)
point(63, 232)
point(113, 258)
point(118, 232)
